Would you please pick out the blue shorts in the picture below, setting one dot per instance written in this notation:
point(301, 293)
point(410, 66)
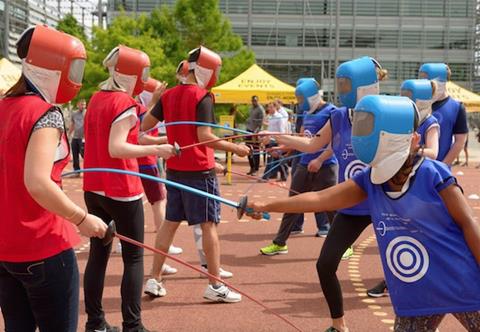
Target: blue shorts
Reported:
point(195, 209)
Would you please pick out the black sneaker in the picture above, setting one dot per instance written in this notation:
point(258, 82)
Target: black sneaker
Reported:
point(379, 290)
point(106, 328)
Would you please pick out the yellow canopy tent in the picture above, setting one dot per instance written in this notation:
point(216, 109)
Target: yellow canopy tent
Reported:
point(9, 75)
point(470, 99)
point(254, 81)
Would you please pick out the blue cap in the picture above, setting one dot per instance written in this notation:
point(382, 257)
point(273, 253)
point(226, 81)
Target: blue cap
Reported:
point(361, 72)
point(308, 89)
point(435, 71)
point(421, 89)
point(381, 133)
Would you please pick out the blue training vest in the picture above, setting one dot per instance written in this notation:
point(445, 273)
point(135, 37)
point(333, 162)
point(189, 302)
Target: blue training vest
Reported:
point(424, 126)
point(446, 116)
point(348, 164)
point(312, 123)
point(428, 266)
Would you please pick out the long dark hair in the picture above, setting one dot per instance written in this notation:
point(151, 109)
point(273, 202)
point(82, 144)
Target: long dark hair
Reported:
point(21, 87)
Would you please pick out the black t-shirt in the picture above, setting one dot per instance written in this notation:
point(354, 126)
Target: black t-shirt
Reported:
point(461, 124)
point(205, 110)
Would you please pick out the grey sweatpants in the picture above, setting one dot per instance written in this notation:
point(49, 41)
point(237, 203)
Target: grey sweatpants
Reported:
point(303, 181)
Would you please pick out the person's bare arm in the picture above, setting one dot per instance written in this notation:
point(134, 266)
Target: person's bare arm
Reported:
point(70, 130)
point(305, 144)
point(340, 196)
point(118, 147)
point(39, 159)
point(151, 140)
point(315, 164)
point(205, 133)
point(431, 143)
point(148, 122)
point(457, 146)
point(462, 214)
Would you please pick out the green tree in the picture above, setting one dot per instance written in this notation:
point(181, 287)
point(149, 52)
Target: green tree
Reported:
point(190, 23)
point(69, 24)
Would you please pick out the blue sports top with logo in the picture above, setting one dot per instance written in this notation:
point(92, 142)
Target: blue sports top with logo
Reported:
point(312, 123)
point(348, 164)
point(428, 266)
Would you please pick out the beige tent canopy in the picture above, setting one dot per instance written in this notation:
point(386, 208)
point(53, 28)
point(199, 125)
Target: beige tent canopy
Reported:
point(9, 75)
point(254, 81)
point(470, 99)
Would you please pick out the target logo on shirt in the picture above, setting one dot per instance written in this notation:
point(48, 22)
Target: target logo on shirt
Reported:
point(353, 167)
point(407, 259)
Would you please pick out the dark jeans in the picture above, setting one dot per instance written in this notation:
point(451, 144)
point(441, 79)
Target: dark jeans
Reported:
point(41, 294)
point(77, 150)
point(304, 181)
point(271, 171)
point(129, 221)
point(253, 158)
point(343, 233)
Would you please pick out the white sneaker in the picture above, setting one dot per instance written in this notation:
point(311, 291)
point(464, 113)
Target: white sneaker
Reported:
point(174, 250)
point(221, 294)
point(223, 274)
point(167, 270)
point(154, 288)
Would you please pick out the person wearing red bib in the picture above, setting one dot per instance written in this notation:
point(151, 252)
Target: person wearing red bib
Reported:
point(111, 137)
point(193, 167)
point(39, 279)
point(154, 191)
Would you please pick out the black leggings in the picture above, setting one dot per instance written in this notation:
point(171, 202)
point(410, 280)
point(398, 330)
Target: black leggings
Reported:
point(129, 221)
point(343, 233)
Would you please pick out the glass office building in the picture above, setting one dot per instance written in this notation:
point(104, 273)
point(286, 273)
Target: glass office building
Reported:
point(17, 15)
point(294, 38)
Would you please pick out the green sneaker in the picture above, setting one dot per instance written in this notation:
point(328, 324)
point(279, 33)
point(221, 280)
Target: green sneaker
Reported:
point(274, 249)
point(348, 253)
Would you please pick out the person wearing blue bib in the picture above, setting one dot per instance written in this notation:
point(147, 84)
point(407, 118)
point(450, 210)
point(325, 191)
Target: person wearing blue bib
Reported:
point(427, 236)
point(421, 92)
point(450, 113)
point(355, 79)
point(314, 171)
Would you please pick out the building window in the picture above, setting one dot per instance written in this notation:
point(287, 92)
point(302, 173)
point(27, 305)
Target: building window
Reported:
point(320, 7)
point(263, 36)
point(458, 40)
point(434, 8)
point(236, 7)
point(411, 38)
point(365, 38)
point(365, 7)
point(411, 7)
point(388, 38)
point(264, 6)
point(464, 8)
point(346, 38)
point(316, 38)
point(409, 70)
point(290, 7)
point(460, 71)
point(388, 7)
point(242, 32)
point(346, 7)
point(434, 39)
point(289, 37)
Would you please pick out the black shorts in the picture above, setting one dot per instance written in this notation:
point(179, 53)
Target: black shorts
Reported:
point(195, 209)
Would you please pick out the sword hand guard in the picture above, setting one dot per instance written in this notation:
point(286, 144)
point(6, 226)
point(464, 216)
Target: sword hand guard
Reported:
point(109, 234)
point(177, 148)
point(242, 208)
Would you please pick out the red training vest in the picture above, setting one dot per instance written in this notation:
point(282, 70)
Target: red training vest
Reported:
point(104, 107)
point(148, 160)
point(180, 104)
point(28, 232)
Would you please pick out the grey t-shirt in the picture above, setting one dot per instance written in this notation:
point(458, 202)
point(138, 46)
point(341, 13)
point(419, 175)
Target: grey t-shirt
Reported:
point(255, 119)
point(77, 121)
